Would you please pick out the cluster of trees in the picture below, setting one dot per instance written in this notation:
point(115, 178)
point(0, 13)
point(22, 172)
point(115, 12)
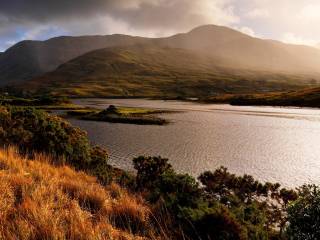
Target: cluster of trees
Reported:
point(217, 205)
point(224, 206)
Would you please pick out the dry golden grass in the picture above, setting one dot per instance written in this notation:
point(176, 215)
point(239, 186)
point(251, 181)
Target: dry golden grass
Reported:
point(40, 201)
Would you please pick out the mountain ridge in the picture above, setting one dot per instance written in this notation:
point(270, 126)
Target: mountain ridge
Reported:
point(30, 59)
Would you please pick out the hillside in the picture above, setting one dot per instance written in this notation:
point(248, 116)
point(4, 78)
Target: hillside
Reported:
point(241, 50)
point(156, 72)
point(29, 59)
point(39, 201)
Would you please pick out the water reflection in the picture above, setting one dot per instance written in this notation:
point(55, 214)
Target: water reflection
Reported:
point(273, 144)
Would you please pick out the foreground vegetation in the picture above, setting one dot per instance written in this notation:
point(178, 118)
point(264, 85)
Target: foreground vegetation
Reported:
point(41, 201)
point(217, 205)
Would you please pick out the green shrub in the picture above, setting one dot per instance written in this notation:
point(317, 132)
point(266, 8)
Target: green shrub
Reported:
point(149, 170)
point(304, 214)
point(215, 222)
point(34, 130)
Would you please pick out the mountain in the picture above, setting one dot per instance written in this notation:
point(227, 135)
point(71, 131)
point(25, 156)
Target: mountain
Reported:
point(225, 47)
point(146, 70)
point(28, 59)
point(241, 50)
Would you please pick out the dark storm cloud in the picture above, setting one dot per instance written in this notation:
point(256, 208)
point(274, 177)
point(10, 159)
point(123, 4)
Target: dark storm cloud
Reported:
point(33, 19)
point(136, 13)
point(47, 10)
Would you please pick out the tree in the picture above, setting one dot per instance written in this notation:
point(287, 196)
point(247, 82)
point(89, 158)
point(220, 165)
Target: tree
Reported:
point(304, 214)
point(149, 169)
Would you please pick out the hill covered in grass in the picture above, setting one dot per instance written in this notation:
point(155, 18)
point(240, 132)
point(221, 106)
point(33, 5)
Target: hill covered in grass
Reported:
point(148, 71)
point(236, 51)
point(28, 59)
point(41, 201)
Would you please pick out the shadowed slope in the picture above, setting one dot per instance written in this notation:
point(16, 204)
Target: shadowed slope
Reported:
point(28, 59)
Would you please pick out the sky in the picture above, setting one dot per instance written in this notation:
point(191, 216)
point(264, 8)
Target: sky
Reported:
point(291, 21)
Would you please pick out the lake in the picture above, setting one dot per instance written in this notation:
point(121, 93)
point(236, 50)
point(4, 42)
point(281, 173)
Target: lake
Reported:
point(272, 144)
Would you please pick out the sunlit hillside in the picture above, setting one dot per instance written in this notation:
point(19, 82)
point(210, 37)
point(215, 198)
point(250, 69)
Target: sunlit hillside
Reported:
point(158, 72)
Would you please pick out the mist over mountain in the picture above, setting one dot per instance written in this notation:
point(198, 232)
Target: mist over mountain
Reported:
point(28, 59)
point(241, 50)
point(156, 71)
point(212, 50)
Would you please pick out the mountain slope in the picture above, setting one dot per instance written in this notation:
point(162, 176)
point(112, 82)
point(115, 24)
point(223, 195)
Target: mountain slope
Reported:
point(242, 50)
point(28, 59)
point(156, 71)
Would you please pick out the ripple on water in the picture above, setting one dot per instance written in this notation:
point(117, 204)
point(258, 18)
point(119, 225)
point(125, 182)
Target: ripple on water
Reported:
point(272, 144)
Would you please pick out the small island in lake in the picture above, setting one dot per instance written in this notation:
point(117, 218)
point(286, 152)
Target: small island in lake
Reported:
point(115, 114)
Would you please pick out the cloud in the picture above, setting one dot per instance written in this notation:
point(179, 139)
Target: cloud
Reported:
point(246, 30)
point(138, 14)
point(310, 12)
point(289, 20)
point(258, 13)
point(138, 17)
point(293, 39)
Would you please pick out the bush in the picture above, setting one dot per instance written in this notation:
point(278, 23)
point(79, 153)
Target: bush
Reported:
point(198, 211)
point(304, 214)
point(149, 170)
point(34, 130)
point(225, 206)
point(215, 222)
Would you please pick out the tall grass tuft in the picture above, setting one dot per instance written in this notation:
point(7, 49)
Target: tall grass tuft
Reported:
point(41, 201)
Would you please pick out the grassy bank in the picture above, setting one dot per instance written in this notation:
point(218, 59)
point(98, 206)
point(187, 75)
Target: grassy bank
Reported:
point(141, 116)
point(304, 98)
point(44, 102)
point(130, 115)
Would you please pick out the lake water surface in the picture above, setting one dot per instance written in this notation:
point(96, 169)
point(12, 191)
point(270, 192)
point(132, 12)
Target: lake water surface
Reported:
point(272, 144)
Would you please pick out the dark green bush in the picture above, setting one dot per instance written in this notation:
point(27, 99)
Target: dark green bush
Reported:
point(304, 214)
point(36, 131)
point(150, 169)
point(215, 222)
point(225, 206)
